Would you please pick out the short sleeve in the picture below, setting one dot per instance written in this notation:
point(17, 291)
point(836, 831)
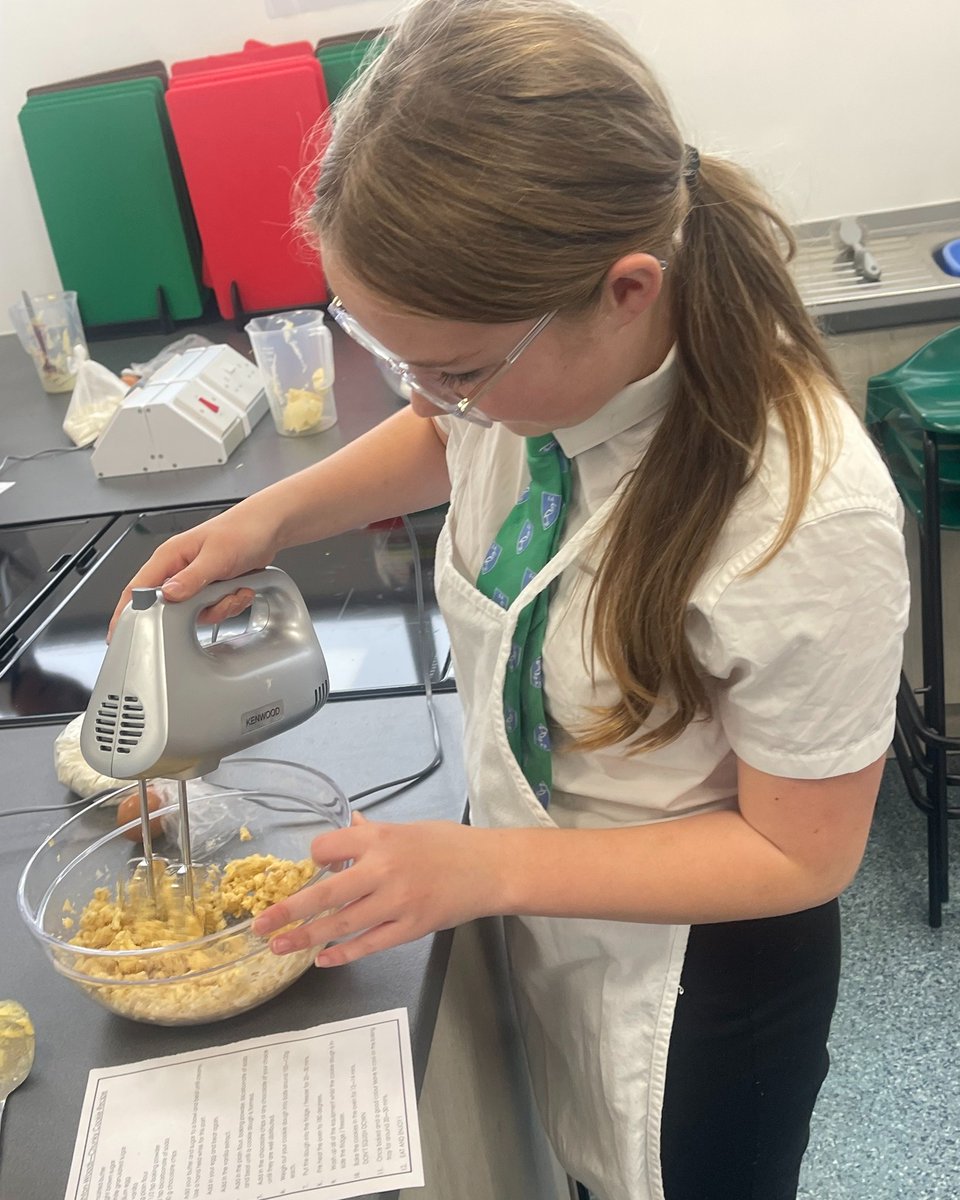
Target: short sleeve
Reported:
point(806, 653)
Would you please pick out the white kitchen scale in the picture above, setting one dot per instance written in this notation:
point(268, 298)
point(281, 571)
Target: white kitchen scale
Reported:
point(193, 412)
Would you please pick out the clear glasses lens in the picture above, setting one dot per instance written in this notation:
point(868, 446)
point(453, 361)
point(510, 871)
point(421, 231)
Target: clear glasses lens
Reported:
point(357, 332)
point(449, 403)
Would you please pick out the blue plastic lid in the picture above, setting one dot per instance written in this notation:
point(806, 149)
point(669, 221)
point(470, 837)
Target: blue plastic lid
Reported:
point(948, 257)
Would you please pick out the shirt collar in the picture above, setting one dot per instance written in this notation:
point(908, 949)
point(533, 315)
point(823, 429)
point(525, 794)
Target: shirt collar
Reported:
point(627, 408)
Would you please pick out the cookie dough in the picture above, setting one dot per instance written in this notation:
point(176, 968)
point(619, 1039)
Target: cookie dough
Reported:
point(15, 1022)
point(303, 410)
point(16, 1039)
point(193, 982)
point(304, 407)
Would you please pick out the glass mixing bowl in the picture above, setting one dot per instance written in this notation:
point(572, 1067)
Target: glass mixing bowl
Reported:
point(247, 807)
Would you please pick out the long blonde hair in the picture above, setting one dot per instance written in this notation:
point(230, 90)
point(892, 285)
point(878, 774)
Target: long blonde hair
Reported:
point(492, 164)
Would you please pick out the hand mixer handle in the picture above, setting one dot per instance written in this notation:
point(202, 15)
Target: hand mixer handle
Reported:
point(165, 705)
point(271, 581)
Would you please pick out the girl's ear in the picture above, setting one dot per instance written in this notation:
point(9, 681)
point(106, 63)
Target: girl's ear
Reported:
point(632, 284)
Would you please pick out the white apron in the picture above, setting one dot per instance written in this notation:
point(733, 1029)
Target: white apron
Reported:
point(595, 998)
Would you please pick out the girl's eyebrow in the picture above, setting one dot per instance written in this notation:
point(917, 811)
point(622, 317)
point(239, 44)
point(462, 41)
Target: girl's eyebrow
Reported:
point(440, 366)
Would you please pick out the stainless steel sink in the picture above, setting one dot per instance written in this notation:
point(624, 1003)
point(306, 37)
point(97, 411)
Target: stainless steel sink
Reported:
point(912, 286)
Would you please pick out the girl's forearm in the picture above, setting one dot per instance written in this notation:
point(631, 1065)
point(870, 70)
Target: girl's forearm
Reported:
point(697, 870)
point(398, 467)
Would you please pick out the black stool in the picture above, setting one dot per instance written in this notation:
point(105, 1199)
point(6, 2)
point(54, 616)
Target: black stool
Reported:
point(913, 414)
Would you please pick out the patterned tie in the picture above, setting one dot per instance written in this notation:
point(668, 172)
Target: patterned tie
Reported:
point(527, 541)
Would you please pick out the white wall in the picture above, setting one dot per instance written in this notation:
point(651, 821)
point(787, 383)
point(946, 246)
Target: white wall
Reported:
point(839, 105)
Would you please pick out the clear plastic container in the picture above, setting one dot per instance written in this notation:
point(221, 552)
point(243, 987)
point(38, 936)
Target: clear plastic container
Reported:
point(247, 807)
point(48, 330)
point(294, 351)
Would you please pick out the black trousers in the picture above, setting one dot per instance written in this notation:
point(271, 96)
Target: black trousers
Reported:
point(748, 1055)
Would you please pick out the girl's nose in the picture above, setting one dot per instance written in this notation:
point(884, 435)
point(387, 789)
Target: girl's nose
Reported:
point(422, 406)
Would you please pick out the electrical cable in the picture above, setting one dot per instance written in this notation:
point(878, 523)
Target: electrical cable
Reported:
point(408, 781)
point(39, 454)
point(22, 812)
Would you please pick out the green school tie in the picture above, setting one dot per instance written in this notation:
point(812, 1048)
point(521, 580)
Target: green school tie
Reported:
point(527, 541)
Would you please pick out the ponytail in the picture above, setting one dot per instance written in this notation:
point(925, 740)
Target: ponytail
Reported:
point(745, 345)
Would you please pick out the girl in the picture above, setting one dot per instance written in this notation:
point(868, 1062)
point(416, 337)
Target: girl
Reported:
point(672, 572)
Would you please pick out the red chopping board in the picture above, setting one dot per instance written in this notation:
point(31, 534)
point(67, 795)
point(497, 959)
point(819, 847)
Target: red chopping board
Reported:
point(252, 52)
point(245, 134)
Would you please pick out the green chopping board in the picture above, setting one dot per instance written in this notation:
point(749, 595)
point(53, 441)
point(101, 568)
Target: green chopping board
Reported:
point(340, 64)
point(113, 199)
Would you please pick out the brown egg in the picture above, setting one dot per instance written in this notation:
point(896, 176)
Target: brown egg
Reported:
point(129, 808)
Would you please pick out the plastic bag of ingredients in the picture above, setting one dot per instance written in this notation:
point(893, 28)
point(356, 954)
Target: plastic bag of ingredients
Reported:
point(97, 395)
point(141, 372)
point(72, 768)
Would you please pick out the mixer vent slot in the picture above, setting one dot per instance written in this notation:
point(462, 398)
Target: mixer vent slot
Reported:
point(120, 723)
point(320, 694)
point(106, 722)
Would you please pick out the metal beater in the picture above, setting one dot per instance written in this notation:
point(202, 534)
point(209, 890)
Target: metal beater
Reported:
point(166, 706)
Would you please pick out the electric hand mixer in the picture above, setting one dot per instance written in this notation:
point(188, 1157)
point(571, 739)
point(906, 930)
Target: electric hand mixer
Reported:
point(166, 706)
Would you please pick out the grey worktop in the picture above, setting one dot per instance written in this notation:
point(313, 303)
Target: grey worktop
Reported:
point(53, 488)
point(359, 744)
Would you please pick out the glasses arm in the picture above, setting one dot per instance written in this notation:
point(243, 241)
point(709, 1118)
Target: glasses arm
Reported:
point(467, 402)
point(525, 342)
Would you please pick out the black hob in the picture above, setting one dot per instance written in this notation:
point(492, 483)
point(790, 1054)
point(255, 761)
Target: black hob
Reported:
point(359, 588)
point(34, 560)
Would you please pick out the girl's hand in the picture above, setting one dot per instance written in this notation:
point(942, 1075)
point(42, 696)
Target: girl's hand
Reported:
point(230, 544)
point(405, 881)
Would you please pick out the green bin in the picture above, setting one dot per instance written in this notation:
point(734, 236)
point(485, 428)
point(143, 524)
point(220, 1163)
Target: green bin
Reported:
point(921, 396)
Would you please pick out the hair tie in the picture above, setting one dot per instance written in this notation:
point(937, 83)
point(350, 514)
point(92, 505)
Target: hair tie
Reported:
point(691, 164)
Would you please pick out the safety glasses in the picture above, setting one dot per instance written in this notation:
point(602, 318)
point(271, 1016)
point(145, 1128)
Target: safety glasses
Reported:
point(436, 386)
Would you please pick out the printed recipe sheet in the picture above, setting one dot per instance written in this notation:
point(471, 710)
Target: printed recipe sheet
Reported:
point(325, 1112)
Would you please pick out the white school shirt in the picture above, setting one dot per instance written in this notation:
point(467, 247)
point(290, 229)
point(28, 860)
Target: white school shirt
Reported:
point(801, 658)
